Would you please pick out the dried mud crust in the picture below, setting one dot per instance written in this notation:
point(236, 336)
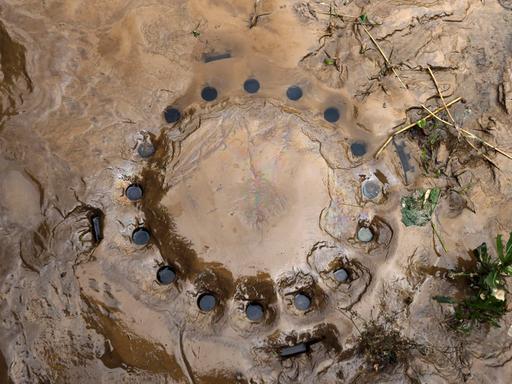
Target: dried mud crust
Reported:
point(506, 4)
point(14, 78)
point(83, 98)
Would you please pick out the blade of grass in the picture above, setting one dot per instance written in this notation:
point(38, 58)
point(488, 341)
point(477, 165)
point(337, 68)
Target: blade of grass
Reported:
point(499, 247)
point(508, 249)
point(438, 237)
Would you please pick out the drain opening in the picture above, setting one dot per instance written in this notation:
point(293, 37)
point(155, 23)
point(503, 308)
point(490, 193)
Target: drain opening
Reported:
point(209, 93)
point(252, 86)
point(146, 150)
point(207, 302)
point(302, 302)
point(294, 92)
point(254, 311)
point(358, 148)
point(371, 189)
point(365, 235)
point(332, 114)
point(134, 192)
point(166, 275)
point(141, 236)
point(172, 114)
point(341, 275)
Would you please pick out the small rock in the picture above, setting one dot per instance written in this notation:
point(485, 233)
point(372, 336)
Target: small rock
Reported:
point(365, 235)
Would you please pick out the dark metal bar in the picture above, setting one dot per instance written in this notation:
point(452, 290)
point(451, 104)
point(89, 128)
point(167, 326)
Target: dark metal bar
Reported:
point(96, 228)
point(293, 350)
point(216, 56)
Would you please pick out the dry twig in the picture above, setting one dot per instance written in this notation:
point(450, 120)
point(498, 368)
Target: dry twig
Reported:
point(383, 55)
point(407, 127)
point(467, 135)
point(441, 95)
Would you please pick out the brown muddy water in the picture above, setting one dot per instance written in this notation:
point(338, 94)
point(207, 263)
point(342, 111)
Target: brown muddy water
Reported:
point(238, 256)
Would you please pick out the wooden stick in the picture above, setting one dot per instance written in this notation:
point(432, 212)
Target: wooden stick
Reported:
point(473, 136)
point(466, 133)
point(441, 95)
point(480, 152)
point(407, 127)
point(432, 114)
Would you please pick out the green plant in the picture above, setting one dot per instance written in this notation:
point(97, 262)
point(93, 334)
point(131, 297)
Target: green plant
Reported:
point(417, 209)
point(487, 303)
point(422, 123)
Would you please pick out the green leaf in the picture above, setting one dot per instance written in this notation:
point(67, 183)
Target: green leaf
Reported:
point(508, 250)
point(329, 61)
point(507, 270)
point(489, 306)
point(363, 19)
point(492, 279)
point(434, 196)
point(424, 154)
point(444, 299)
point(482, 255)
point(418, 208)
point(422, 123)
point(499, 248)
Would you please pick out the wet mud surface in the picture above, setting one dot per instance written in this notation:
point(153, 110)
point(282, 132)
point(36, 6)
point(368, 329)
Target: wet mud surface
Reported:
point(189, 192)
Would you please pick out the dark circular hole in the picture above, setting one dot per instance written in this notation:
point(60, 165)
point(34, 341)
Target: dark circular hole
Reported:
point(252, 86)
point(166, 275)
point(332, 114)
point(146, 150)
point(254, 311)
point(302, 302)
point(134, 192)
point(141, 236)
point(207, 302)
point(365, 234)
point(209, 93)
point(371, 189)
point(358, 148)
point(172, 114)
point(294, 92)
point(341, 275)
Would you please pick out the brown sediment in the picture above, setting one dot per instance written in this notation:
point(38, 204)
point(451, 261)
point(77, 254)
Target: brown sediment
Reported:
point(250, 197)
point(128, 351)
point(14, 79)
point(4, 370)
